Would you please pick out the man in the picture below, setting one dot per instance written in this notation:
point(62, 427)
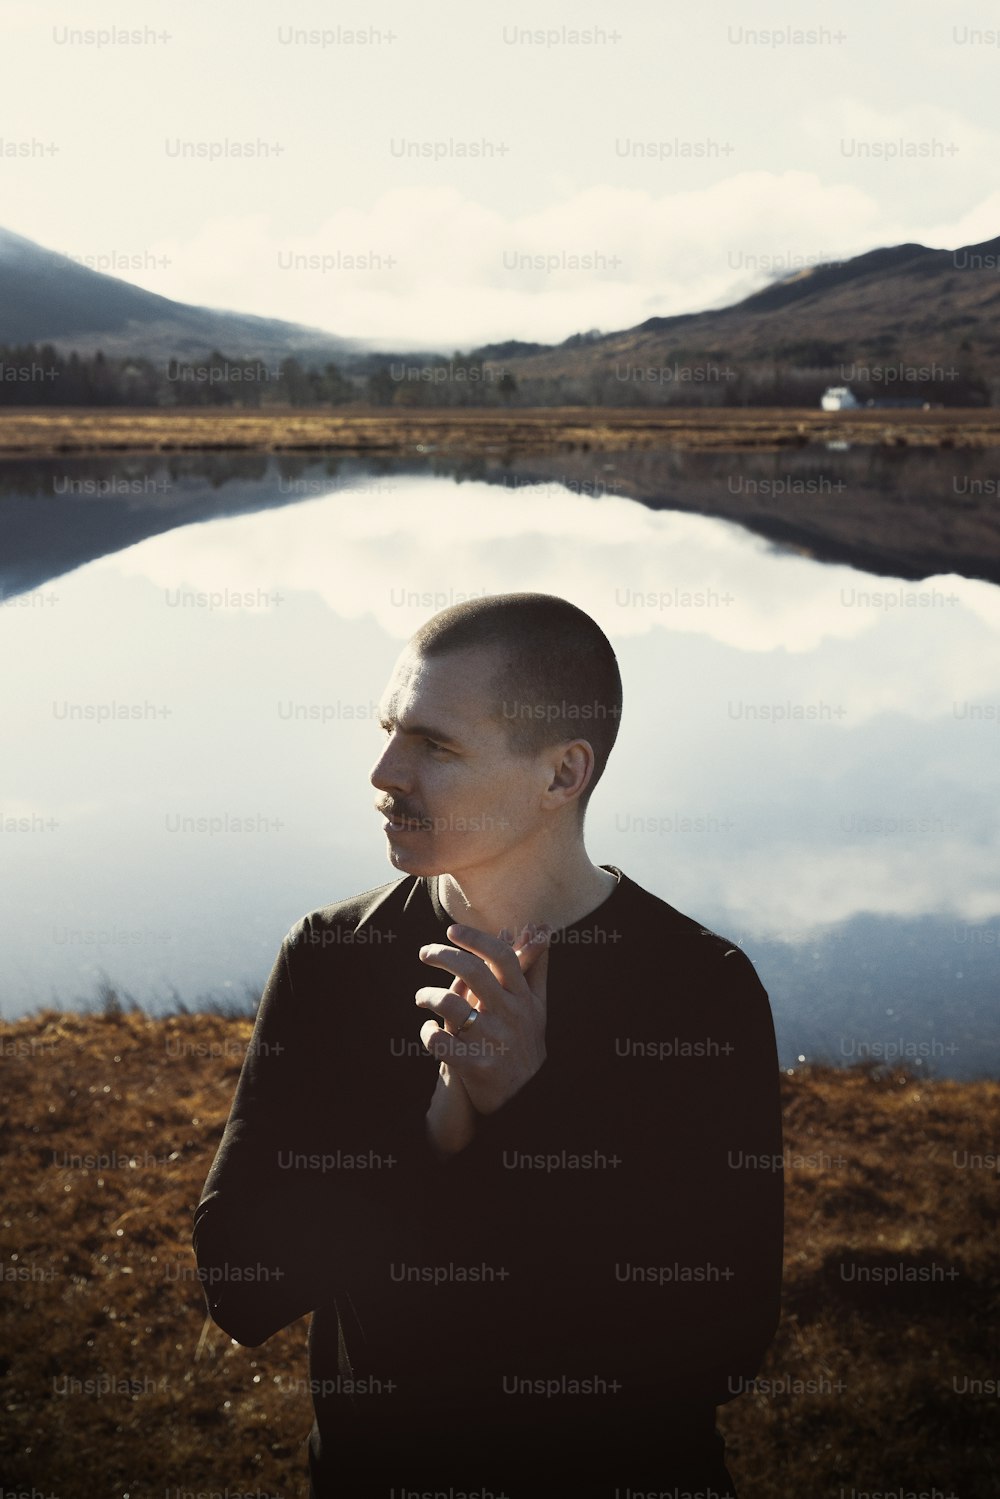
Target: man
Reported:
point(542, 1244)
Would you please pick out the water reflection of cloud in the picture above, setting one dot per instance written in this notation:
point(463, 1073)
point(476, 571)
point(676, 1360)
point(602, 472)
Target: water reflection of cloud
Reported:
point(398, 556)
point(782, 889)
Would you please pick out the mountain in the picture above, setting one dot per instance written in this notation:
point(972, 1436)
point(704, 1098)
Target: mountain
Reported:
point(908, 318)
point(901, 320)
point(49, 298)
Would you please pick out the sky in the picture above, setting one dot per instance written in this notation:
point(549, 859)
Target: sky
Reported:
point(442, 175)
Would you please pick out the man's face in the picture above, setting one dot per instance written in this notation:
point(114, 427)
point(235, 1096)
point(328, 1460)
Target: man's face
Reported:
point(455, 794)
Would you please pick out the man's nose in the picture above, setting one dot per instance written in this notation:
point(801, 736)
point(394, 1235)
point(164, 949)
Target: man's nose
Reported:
point(389, 772)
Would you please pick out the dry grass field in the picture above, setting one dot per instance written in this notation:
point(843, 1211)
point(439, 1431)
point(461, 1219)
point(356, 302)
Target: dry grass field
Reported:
point(883, 1377)
point(27, 430)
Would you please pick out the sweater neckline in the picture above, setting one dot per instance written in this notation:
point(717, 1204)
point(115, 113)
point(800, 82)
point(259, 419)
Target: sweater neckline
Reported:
point(430, 883)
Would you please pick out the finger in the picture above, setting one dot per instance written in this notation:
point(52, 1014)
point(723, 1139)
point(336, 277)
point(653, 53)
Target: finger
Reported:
point(536, 971)
point(528, 930)
point(498, 955)
point(532, 939)
point(442, 1044)
point(478, 976)
point(432, 997)
point(532, 948)
point(434, 1039)
point(452, 1008)
point(459, 986)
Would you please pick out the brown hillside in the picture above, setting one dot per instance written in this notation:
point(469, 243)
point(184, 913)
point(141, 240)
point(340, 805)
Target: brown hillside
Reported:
point(931, 310)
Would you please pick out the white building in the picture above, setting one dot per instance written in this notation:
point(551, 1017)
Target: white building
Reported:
point(838, 398)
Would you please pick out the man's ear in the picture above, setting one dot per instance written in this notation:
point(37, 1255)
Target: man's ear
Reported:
point(574, 769)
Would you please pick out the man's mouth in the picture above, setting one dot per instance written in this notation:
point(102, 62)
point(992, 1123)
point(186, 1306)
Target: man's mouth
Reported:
point(400, 824)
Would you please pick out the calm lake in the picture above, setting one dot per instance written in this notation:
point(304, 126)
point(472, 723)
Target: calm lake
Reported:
point(193, 649)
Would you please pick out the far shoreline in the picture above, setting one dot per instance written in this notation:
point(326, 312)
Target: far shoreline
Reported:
point(103, 431)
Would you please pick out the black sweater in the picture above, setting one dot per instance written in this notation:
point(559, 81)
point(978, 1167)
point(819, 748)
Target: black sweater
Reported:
point(604, 1255)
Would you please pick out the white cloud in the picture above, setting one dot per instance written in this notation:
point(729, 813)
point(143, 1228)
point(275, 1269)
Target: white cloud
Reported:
point(923, 143)
point(981, 222)
point(447, 270)
point(637, 570)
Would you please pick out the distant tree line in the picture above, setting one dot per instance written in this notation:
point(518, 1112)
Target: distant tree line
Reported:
point(38, 375)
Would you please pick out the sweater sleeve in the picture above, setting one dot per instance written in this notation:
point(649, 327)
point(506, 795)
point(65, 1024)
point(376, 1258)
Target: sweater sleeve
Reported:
point(304, 1193)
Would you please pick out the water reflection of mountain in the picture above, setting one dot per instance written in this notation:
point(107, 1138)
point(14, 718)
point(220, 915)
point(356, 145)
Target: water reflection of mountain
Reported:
point(59, 515)
point(919, 992)
point(891, 512)
point(888, 511)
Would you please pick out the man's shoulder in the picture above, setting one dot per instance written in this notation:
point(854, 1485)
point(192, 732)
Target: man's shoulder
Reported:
point(689, 941)
point(354, 915)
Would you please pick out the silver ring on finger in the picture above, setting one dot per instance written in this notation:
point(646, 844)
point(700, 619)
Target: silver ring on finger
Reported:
point(472, 1016)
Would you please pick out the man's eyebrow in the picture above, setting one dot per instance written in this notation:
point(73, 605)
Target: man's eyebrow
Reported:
point(418, 730)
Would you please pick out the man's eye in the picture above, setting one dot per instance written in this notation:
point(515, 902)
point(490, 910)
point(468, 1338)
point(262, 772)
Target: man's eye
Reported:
point(430, 743)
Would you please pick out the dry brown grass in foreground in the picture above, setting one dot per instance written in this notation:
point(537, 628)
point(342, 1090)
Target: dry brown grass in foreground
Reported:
point(43, 430)
point(883, 1376)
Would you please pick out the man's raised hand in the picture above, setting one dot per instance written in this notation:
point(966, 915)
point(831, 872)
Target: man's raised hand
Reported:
point(505, 983)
